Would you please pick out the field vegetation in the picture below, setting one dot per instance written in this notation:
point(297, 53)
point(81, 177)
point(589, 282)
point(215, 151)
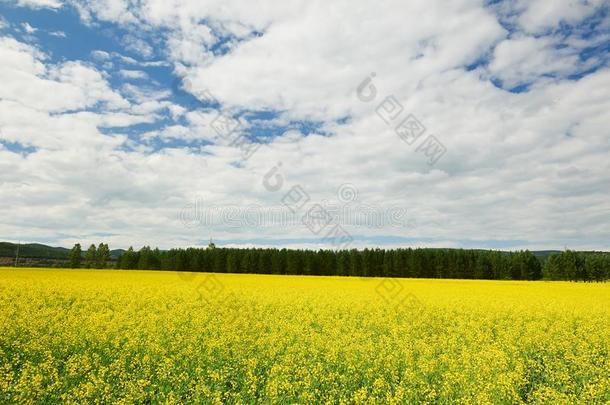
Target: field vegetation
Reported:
point(100, 336)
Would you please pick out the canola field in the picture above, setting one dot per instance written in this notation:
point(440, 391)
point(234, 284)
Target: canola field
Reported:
point(106, 336)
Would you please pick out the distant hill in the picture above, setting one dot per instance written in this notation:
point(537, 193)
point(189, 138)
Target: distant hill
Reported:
point(33, 250)
point(116, 253)
point(541, 254)
point(39, 251)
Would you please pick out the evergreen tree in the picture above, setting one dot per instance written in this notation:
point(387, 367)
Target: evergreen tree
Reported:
point(277, 265)
point(103, 256)
point(534, 269)
point(245, 264)
point(145, 258)
point(91, 257)
point(129, 260)
point(232, 262)
point(428, 263)
point(293, 262)
point(76, 256)
point(156, 260)
point(264, 261)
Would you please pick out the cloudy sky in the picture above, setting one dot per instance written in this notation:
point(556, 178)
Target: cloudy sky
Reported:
point(421, 123)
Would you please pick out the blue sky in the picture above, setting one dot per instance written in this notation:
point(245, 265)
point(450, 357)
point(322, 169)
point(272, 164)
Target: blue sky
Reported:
point(109, 124)
point(63, 37)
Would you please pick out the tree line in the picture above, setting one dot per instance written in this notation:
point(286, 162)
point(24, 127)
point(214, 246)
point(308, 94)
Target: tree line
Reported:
point(417, 263)
point(408, 262)
point(94, 257)
point(578, 266)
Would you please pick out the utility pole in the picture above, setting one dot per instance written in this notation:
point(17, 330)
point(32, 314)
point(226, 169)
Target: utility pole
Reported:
point(17, 254)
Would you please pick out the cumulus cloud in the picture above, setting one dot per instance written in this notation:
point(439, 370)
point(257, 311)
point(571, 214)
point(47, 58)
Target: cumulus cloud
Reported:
point(540, 15)
point(138, 46)
point(524, 169)
point(56, 88)
point(53, 4)
point(330, 69)
point(525, 59)
point(4, 23)
point(59, 34)
point(112, 10)
point(28, 28)
point(133, 74)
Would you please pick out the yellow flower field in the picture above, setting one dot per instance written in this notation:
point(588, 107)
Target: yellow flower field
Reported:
point(103, 336)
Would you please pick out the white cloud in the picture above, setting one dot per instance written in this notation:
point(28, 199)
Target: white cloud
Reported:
point(137, 45)
point(189, 46)
point(40, 3)
point(540, 15)
point(20, 58)
point(530, 166)
point(112, 10)
point(3, 23)
point(133, 74)
point(176, 111)
point(125, 59)
point(100, 55)
point(38, 97)
point(28, 28)
point(59, 34)
point(386, 45)
point(142, 94)
point(525, 59)
point(68, 86)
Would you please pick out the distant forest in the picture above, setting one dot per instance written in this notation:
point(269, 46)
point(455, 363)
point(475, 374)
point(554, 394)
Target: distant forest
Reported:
point(415, 263)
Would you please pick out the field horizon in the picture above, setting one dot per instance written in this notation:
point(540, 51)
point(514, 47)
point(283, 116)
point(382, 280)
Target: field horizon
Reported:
point(188, 274)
